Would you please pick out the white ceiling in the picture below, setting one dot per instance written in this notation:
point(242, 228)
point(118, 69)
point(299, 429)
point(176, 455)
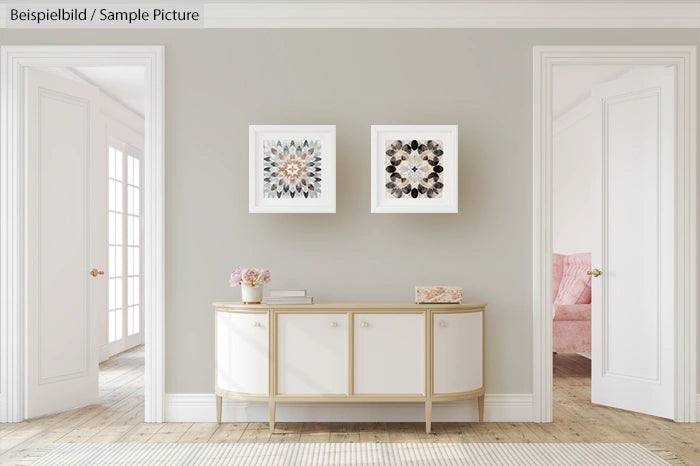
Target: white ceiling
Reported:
point(124, 83)
point(573, 83)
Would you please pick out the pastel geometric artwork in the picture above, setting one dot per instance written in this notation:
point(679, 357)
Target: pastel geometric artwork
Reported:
point(292, 168)
point(414, 169)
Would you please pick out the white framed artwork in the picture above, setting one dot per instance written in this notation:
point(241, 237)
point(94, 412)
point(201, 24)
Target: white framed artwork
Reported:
point(291, 169)
point(414, 169)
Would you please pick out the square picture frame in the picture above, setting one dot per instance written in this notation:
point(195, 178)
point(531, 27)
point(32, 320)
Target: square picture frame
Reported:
point(291, 169)
point(414, 169)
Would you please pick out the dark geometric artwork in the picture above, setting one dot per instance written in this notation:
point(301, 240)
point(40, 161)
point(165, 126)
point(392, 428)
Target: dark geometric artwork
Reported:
point(414, 169)
point(292, 169)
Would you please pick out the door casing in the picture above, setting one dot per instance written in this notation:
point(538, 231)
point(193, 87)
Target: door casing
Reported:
point(683, 59)
point(13, 237)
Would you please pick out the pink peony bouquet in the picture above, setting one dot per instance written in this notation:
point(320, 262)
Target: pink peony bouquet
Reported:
point(249, 277)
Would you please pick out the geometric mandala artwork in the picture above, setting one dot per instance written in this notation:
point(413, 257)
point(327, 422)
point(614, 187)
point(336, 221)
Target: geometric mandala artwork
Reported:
point(414, 169)
point(292, 168)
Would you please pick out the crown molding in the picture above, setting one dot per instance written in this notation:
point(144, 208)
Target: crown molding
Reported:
point(462, 14)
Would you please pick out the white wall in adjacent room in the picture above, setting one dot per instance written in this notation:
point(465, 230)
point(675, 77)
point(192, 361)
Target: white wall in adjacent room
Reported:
point(571, 190)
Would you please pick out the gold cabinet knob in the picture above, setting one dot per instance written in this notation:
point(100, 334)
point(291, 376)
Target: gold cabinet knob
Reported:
point(595, 273)
point(256, 324)
point(365, 324)
point(334, 324)
point(95, 272)
point(443, 323)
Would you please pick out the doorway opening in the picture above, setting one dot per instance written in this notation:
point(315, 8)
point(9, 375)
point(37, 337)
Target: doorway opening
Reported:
point(614, 262)
point(92, 118)
point(85, 146)
point(577, 96)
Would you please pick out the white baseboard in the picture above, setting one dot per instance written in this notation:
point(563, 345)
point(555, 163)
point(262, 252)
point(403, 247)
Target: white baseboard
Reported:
point(201, 407)
point(697, 407)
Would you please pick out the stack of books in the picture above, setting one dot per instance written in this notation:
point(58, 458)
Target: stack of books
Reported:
point(288, 297)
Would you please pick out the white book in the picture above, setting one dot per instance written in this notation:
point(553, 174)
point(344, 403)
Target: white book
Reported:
point(287, 293)
point(289, 300)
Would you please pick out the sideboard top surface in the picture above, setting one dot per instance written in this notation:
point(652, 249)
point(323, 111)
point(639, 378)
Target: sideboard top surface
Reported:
point(229, 306)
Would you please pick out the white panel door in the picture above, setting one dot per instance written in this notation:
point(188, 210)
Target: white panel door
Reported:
point(66, 232)
point(312, 353)
point(633, 244)
point(242, 352)
point(389, 354)
point(457, 352)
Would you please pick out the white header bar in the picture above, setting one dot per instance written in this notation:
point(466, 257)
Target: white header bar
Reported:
point(358, 14)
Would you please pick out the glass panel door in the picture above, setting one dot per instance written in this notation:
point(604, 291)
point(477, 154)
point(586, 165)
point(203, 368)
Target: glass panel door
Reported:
point(124, 322)
point(116, 241)
point(133, 257)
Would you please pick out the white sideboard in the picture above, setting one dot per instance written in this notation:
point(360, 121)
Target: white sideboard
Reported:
point(349, 352)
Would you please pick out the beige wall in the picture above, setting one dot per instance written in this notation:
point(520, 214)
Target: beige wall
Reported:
point(220, 81)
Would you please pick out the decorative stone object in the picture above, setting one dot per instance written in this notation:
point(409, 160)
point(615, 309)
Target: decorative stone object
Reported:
point(439, 295)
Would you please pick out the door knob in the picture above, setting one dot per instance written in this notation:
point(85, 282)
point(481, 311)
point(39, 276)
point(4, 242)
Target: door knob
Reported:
point(595, 273)
point(95, 272)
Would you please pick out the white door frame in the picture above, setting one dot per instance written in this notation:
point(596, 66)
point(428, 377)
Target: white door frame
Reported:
point(13, 215)
point(683, 58)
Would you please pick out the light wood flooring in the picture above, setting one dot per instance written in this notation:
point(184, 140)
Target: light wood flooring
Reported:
point(119, 418)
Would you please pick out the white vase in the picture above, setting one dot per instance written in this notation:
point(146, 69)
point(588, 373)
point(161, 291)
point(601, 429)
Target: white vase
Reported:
point(251, 294)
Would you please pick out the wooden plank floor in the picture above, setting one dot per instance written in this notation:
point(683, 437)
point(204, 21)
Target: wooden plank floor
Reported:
point(119, 418)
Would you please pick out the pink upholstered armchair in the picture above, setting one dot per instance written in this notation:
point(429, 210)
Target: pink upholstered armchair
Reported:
point(571, 294)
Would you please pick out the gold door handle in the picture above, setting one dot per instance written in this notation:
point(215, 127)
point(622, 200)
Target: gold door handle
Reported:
point(595, 273)
point(95, 272)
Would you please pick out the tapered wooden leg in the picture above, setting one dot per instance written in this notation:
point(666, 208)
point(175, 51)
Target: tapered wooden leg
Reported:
point(428, 415)
point(218, 409)
point(481, 408)
point(272, 416)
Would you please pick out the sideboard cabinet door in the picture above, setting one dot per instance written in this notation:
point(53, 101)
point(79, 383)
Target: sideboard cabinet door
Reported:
point(389, 352)
point(311, 353)
point(457, 352)
point(242, 352)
